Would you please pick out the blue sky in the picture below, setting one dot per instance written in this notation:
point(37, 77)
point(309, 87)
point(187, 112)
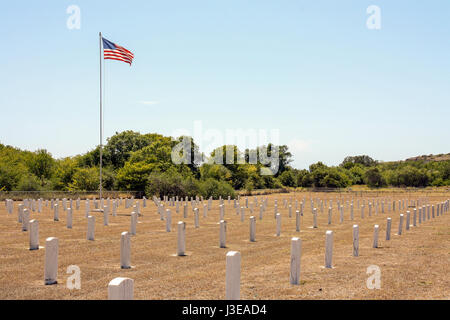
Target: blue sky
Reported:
point(311, 69)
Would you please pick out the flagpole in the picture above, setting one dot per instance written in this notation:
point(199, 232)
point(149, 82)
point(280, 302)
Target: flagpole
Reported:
point(101, 117)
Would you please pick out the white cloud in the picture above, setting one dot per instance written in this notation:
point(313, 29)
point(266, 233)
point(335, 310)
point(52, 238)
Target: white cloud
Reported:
point(299, 146)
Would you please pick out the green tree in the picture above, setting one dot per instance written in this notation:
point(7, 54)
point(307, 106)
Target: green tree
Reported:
point(215, 189)
point(374, 178)
point(41, 165)
point(28, 182)
point(356, 173)
point(121, 145)
point(134, 176)
point(85, 179)
point(215, 171)
point(335, 179)
point(63, 172)
point(287, 178)
point(363, 160)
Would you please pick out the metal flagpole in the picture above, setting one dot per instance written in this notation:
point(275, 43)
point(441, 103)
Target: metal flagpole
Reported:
point(101, 134)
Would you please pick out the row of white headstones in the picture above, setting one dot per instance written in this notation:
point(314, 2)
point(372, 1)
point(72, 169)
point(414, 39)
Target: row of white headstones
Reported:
point(233, 258)
point(122, 288)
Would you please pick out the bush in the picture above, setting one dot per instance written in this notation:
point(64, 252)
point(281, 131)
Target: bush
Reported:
point(287, 178)
point(29, 183)
point(373, 178)
point(249, 187)
point(85, 179)
point(277, 184)
point(335, 179)
point(357, 174)
point(307, 180)
point(134, 176)
point(165, 184)
point(215, 189)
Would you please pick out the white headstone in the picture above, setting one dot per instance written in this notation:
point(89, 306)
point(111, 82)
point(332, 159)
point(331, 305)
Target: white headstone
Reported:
point(388, 228)
point(408, 214)
point(223, 234)
point(87, 208)
point(69, 218)
point(355, 240)
point(415, 217)
point(314, 218)
point(400, 224)
point(20, 209)
point(328, 249)
point(56, 212)
point(296, 253)
point(420, 215)
point(34, 235)
point(105, 215)
point(252, 229)
point(90, 227)
point(278, 217)
point(133, 223)
point(375, 236)
point(25, 219)
point(120, 289)
point(125, 250)
point(168, 220)
point(181, 248)
point(196, 219)
point(51, 261)
point(233, 276)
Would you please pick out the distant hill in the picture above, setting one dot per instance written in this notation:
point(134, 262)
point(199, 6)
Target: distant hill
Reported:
point(431, 157)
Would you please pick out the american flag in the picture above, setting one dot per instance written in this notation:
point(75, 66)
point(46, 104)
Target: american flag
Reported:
point(115, 52)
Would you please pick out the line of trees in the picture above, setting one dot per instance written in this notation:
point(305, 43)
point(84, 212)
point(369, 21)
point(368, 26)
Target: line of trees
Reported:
point(363, 170)
point(137, 162)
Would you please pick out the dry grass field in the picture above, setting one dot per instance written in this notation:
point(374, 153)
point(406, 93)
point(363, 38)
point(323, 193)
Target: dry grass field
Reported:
point(414, 265)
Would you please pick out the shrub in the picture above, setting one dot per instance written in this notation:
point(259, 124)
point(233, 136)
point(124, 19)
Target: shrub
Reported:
point(85, 179)
point(29, 183)
point(215, 189)
point(165, 184)
point(373, 178)
point(287, 178)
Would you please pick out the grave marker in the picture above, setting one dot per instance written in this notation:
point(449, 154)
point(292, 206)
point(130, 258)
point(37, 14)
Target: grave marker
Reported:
point(375, 236)
point(328, 249)
point(181, 248)
point(296, 253)
point(90, 228)
point(120, 289)
point(34, 235)
point(51, 261)
point(233, 276)
point(222, 234)
point(125, 250)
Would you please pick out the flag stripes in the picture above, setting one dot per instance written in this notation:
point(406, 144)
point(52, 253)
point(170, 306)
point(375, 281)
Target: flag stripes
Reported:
point(114, 52)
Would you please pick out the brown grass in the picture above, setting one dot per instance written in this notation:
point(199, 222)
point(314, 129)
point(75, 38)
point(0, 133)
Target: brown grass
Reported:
point(414, 265)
